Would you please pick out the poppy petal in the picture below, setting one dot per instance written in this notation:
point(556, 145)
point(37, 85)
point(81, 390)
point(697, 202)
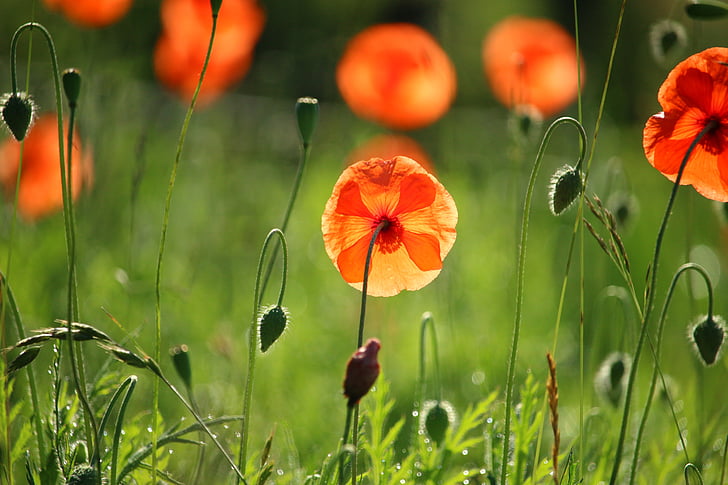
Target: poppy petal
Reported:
point(423, 250)
point(417, 191)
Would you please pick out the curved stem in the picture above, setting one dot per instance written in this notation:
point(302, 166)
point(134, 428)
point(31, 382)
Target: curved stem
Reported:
point(287, 215)
point(520, 275)
point(163, 241)
point(365, 282)
point(656, 351)
point(650, 298)
point(253, 336)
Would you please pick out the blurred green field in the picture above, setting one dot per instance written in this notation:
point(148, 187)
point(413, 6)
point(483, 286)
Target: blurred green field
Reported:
point(237, 168)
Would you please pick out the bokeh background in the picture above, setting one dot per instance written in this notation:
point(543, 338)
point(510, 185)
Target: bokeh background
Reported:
point(237, 168)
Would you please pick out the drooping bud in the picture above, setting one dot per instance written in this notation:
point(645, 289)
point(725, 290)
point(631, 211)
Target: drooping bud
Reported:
point(181, 361)
point(611, 378)
point(707, 335)
point(436, 418)
point(307, 112)
point(271, 324)
point(18, 113)
point(566, 185)
point(667, 40)
point(362, 371)
point(706, 9)
point(83, 475)
point(72, 85)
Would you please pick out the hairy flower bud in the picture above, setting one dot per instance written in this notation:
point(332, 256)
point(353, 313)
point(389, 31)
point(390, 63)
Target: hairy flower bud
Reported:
point(436, 418)
point(707, 335)
point(362, 371)
point(18, 112)
point(611, 378)
point(271, 324)
point(566, 185)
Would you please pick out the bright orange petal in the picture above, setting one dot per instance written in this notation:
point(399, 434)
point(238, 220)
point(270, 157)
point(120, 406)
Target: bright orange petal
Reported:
point(423, 250)
point(350, 203)
point(351, 260)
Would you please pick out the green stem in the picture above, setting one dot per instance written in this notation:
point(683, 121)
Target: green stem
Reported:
point(344, 439)
point(154, 367)
point(287, 215)
point(520, 275)
point(650, 298)
point(253, 336)
point(163, 241)
point(656, 369)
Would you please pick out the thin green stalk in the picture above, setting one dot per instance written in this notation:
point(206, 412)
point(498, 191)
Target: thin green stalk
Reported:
point(344, 439)
point(253, 336)
point(154, 367)
point(656, 351)
point(129, 384)
point(520, 275)
point(306, 149)
point(163, 240)
point(650, 298)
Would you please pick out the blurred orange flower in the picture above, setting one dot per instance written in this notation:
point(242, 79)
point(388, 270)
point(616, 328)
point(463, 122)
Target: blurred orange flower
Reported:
point(531, 63)
point(40, 180)
point(419, 216)
point(388, 146)
point(181, 48)
point(694, 98)
point(91, 13)
point(396, 75)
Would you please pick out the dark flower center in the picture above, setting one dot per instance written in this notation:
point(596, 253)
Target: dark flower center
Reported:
point(715, 139)
point(390, 236)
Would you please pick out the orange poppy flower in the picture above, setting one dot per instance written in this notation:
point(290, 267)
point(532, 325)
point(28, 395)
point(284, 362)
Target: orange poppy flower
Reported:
point(40, 180)
point(182, 46)
point(396, 75)
point(694, 94)
point(91, 13)
point(388, 146)
point(420, 217)
point(531, 62)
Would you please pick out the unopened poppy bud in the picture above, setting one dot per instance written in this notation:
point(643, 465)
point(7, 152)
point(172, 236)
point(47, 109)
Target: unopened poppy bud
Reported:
point(215, 4)
point(181, 361)
point(72, 85)
point(566, 185)
point(667, 39)
point(83, 475)
point(707, 336)
point(612, 376)
point(706, 9)
point(307, 110)
point(362, 371)
point(18, 113)
point(436, 418)
point(271, 324)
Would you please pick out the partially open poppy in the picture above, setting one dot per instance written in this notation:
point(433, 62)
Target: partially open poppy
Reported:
point(418, 217)
point(362, 371)
point(182, 46)
point(694, 98)
point(396, 75)
point(531, 63)
point(40, 180)
point(91, 13)
point(388, 146)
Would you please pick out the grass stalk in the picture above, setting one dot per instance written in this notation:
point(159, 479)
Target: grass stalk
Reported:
point(163, 239)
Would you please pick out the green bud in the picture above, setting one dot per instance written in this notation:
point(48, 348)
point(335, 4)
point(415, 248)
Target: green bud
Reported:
point(667, 40)
point(18, 113)
point(215, 4)
point(707, 336)
point(271, 324)
point(611, 378)
point(181, 361)
point(437, 417)
point(307, 111)
point(566, 185)
point(83, 475)
point(706, 9)
point(72, 85)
